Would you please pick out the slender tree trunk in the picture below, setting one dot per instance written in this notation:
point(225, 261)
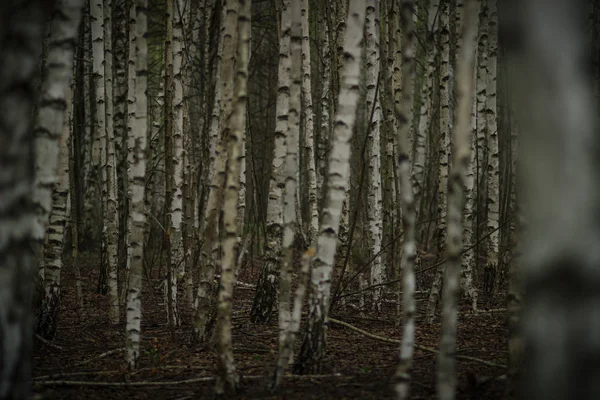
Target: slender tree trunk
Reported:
point(120, 61)
point(49, 127)
point(290, 222)
point(446, 384)
point(313, 346)
point(170, 284)
point(99, 133)
point(266, 290)
point(481, 142)
point(326, 91)
point(404, 115)
point(374, 208)
point(558, 121)
point(131, 136)
point(176, 166)
point(427, 100)
point(309, 141)
point(444, 154)
point(74, 200)
point(469, 227)
point(136, 189)
point(88, 155)
point(21, 34)
point(210, 227)
point(493, 167)
point(238, 16)
point(54, 244)
point(390, 207)
point(111, 203)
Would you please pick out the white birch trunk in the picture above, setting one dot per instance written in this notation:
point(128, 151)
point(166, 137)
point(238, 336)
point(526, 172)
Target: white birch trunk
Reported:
point(309, 141)
point(444, 153)
point(446, 384)
point(374, 209)
point(131, 127)
point(266, 290)
point(111, 215)
point(558, 122)
point(426, 112)
point(22, 32)
point(325, 126)
point(54, 244)
point(209, 227)
point(238, 16)
point(49, 126)
point(137, 186)
point(290, 222)
point(176, 196)
point(313, 346)
point(99, 132)
point(404, 116)
point(493, 167)
point(468, 260)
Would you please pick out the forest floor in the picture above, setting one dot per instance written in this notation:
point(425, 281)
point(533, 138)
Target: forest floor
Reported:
point(86, 359)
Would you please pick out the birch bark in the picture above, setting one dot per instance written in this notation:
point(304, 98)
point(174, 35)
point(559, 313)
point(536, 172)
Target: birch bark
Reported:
point(374, 209)
point(444, 154)
point(21, 36)
point(404, 115)
point(137, 188)
point(237, 21)
point(313, 346)
point(446, 384)
point(110, 173)
point(49, 139)
point(266, 289)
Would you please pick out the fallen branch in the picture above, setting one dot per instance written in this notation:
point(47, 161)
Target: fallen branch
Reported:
point(48, 343)
point(106, 354)
point(491, 310)
point(170, 383)
point(118, 371)
point(423, 348)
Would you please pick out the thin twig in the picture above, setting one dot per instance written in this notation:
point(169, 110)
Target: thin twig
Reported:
point(171, 383)
point(423, 348)
point(119, 371)
point(48, 343)
point(108, 353)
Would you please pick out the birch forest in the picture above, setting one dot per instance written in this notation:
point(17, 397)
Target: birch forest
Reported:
point(299, 199)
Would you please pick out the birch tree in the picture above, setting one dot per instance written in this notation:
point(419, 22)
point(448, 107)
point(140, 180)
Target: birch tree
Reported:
point(54, 244)
point(404, 116)
point(309, 141)
point(210, 230)
point(137, 187)
point(99, 129)
point(427, 99)
point(237, 17)
point(446, 384)
point(326, 101)
point(131, 127)
point(175, 169)
point(109, 176)
point(313, 346)
point(290, 223)
point(444, 150)
point(493, 166)
point(558, 123)
point(266, 289)
point(374, 209)
point(120, 98)
point(21, 36)
point(49, 127)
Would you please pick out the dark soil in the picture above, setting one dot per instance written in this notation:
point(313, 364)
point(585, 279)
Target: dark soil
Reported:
point(358, 367)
